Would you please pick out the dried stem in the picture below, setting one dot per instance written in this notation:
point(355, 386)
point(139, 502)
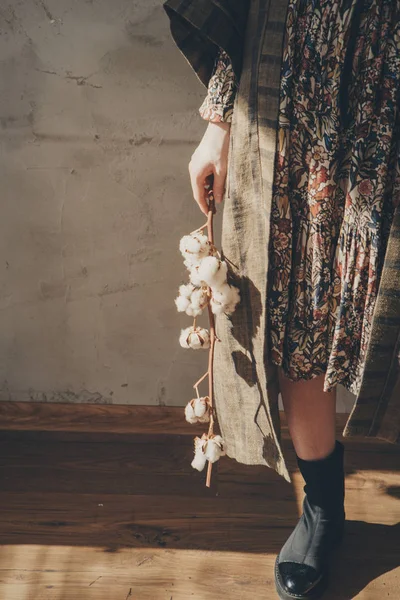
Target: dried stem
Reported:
point(210, 232)
point(199, 229)
point(201, 379)
point(213, 337)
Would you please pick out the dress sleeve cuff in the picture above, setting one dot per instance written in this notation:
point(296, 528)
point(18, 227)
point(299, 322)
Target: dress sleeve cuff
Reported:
point(222, 87)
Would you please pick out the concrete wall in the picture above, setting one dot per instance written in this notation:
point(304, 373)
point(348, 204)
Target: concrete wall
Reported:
point(98, 120)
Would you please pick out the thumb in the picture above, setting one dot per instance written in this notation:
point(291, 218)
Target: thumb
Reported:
point(218, 186)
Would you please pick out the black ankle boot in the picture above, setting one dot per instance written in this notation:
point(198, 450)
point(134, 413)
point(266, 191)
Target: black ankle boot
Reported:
point(301, 568)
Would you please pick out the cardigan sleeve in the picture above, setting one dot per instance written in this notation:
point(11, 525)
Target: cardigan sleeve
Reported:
point(200, 27)
point(222, 86)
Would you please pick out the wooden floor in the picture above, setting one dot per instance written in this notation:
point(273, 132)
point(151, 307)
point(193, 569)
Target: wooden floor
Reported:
point(123, 517)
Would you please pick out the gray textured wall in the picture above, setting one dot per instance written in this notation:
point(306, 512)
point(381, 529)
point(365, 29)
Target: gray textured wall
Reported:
point(98, 120)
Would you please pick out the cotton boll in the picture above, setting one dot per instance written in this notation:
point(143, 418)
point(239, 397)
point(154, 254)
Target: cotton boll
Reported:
point(186, 290)
point(224, 299)
point(194, 338)
point(193, 311)
point(190, 414)
point(195, 243)
point(198, 410)
point(201, 407)
point(188, 245)
point(199, 461)
point(218, 440)
point(194, 277)
point(194, 247)
point(182, 303)
point(198, 301)
point(212, 452)
point(214, 449)
point(192, 261)
point(184, 337)
point(199, 338)
point(220, 298)
point(199, 298)
point(217, 303)
point(213, 271)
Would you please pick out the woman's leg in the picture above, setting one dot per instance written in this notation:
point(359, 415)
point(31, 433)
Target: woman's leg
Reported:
point(311, 416)
point(302, 565)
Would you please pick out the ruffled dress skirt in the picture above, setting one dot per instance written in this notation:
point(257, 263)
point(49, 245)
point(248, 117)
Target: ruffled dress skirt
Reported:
point(337, 182)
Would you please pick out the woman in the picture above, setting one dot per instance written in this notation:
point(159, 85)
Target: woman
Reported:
point(303, 145)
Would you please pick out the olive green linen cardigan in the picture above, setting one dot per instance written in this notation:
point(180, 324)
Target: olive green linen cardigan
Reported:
point(246, 386)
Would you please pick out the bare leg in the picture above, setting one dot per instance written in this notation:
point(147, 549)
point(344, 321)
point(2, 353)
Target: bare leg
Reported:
point(311, 416)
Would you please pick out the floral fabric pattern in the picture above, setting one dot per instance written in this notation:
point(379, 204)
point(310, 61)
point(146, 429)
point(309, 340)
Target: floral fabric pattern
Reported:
point(336, 184)
point(336, 181)
point(218, 104)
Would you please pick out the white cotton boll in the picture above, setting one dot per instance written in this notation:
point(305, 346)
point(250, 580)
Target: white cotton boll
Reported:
point(217, 309)
point(195, 243)
point(199, 461)
point(186, 290)
point(193, 311)
point(213, 271)
point(182, 303)
point(199, 338)
point(198, 410)
point(199, 298)
point(187, 244)
point(224, 299)
point(190, 414)
point(184, 337)
point(192, 262)
point(194, 247)
point(194, 338)
point(217, 302)
point(194, 277)
point(202, 408)
point(214, 449)
point(195, 341)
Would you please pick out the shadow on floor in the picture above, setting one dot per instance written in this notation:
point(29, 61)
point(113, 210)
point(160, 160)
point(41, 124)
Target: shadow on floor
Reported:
point(116, 492)
point(368, 551)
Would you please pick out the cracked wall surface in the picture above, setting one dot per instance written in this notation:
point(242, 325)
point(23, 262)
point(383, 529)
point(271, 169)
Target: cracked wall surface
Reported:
point(98, 120)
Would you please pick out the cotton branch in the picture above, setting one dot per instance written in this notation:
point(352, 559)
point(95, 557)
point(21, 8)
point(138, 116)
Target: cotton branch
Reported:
point(208, 287)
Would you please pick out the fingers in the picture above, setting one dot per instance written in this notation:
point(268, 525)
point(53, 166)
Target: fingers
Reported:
point(198, 181)
point(219, 186)
point(201, 176)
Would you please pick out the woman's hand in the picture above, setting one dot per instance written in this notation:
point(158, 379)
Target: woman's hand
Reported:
point(210, 158)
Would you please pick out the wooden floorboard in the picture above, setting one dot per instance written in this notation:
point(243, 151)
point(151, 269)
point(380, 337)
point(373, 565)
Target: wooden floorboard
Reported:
point(106, 419)
point(123, 517)
point(100, 418)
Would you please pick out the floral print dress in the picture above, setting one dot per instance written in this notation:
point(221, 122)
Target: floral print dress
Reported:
point(336, 181)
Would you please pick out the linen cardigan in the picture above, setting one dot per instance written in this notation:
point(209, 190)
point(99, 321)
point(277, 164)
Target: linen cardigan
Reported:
point(246, 385)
